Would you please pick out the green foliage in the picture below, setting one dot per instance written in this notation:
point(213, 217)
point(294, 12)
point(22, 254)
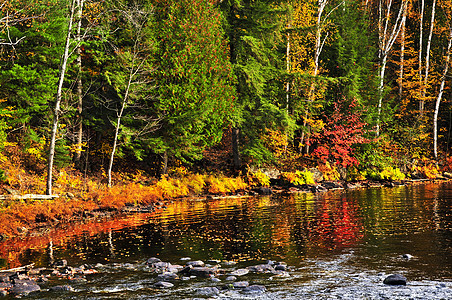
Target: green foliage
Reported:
point(3, 176)
point(194, 93)
point(256, 42)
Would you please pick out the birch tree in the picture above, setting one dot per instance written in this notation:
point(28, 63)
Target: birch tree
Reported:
point(388, 30)
point(440, 94)
point(320, 39)
point(402, 52)
point(427, 61)
point(132, 77)
point(79, 134)
point(59, 94)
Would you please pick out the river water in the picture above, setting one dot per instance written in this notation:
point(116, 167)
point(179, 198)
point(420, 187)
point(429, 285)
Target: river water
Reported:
point(339, 245)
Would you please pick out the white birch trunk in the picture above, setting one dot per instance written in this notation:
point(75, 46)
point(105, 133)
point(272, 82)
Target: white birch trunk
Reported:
point(427, 60)
point(421, 28)
point(117, 126)
point(59, 93)
point(79, 134)
point(438, 99)
point(386, 41)
point(402, 54)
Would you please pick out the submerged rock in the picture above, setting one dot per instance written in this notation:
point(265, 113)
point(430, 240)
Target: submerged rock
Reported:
point(395, 279)
point(255, 289)
point(264, 268)
point(207, 291)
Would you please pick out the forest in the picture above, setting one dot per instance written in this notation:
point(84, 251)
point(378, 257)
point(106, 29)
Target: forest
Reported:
point(142, 89)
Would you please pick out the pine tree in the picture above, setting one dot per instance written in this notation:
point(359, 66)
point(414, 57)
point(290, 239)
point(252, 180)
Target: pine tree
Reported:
point(193, 78)
point(256, 44)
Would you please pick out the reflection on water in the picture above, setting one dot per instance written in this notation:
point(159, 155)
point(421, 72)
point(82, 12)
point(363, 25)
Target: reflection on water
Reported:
point(330, 238)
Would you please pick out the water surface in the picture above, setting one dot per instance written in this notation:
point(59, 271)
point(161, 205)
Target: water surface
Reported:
point(341, 244)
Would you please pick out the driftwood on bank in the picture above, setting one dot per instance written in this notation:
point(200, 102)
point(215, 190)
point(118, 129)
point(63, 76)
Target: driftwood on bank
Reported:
point(28, 197)
point(18, 269)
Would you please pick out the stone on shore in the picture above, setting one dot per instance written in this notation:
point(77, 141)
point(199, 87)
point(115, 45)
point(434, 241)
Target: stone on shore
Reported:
point(395, 279)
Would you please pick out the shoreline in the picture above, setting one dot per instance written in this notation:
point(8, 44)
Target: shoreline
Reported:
point(39, 227)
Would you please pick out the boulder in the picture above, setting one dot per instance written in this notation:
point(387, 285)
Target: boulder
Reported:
point(395, 279)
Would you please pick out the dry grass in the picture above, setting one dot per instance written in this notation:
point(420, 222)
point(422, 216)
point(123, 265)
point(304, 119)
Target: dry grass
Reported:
point(78, 194)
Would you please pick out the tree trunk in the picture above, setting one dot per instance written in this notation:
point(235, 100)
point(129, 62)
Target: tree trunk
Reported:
point(287, 83)
point(386, 38)
point(438, 99)
point(421, 26)
point(380, 91)
point(237, 163)
point(317, 51)
point(79, 134)
point(165, 163)
point(118, 125)
point(427, 60)
point(402, 54)
point(59, 93)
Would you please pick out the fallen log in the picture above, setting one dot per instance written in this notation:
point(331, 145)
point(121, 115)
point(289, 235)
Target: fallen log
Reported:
point(28, 197)
point(18, 268)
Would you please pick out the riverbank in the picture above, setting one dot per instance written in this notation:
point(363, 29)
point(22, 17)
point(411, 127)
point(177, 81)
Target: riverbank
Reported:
point(79, 200)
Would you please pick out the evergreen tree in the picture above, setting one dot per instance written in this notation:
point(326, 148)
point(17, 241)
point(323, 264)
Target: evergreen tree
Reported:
point(193, 78)
point(257, 49)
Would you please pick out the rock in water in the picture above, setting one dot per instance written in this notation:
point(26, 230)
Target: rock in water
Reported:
point(207, 291)
point(203, 272)
point(254, 289)
point(24, 290)
point(240, 272)
point(395, 279)
point(163, 285)
point(61, 288)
